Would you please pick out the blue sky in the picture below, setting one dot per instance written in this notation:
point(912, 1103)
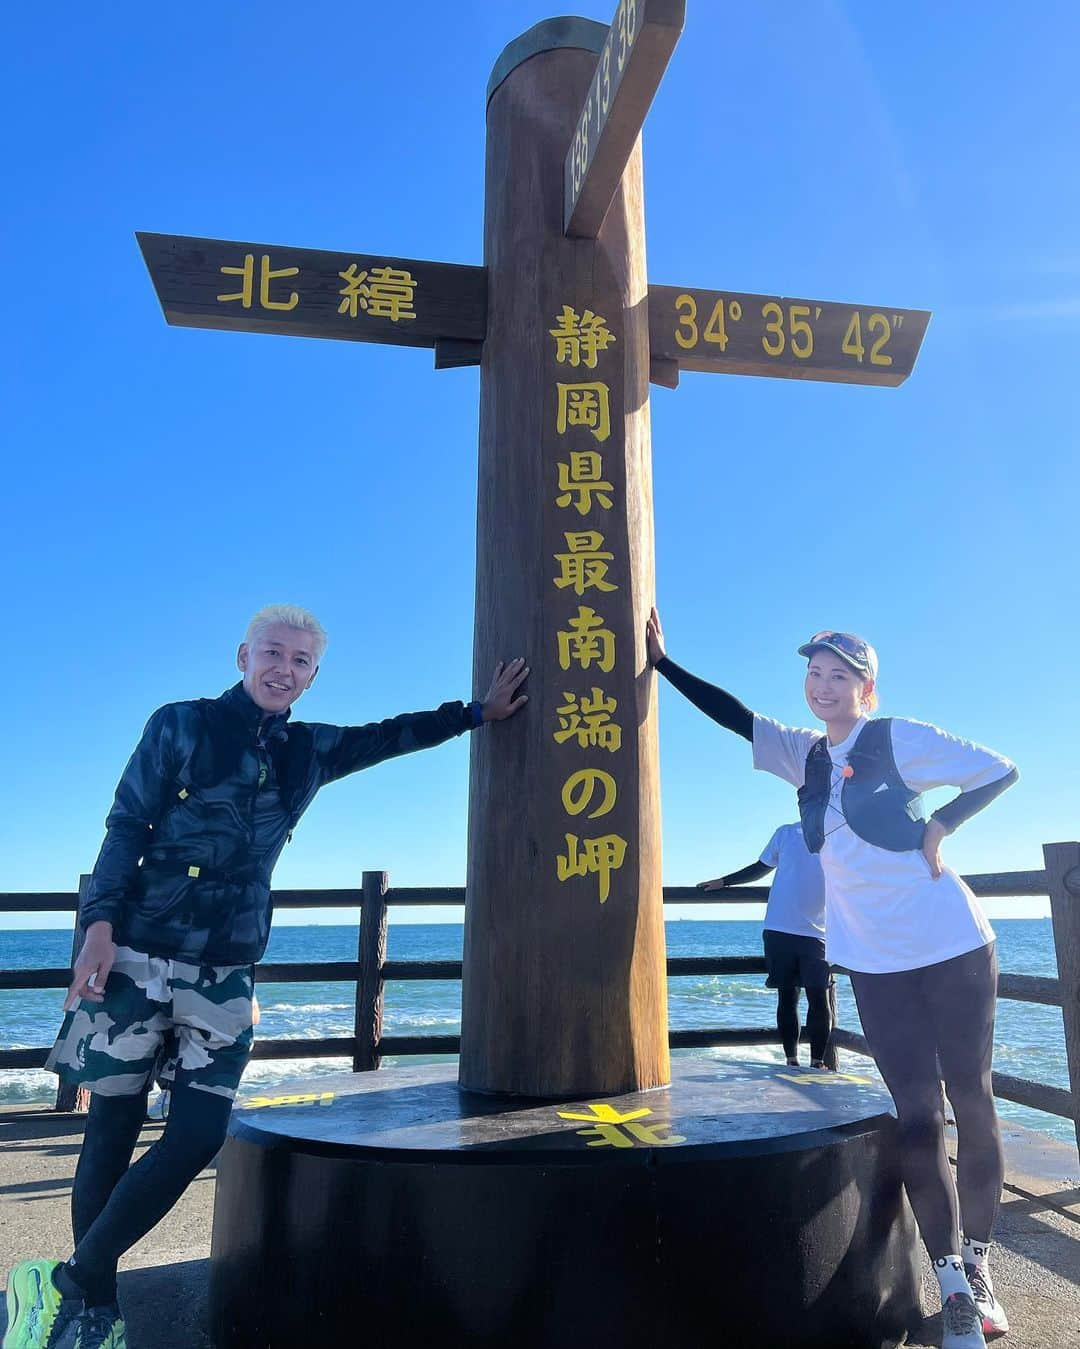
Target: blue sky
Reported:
point(161, 484)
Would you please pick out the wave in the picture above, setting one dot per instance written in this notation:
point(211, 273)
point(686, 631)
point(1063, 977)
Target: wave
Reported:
point(394, 1025)
point(262, 1071)
point(27, 1086)
point(305, 1007)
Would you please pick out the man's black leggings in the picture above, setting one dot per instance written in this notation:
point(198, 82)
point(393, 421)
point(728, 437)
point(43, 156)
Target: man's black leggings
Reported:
point(912, 1020)
point(113, 1203)
point(818, 1020)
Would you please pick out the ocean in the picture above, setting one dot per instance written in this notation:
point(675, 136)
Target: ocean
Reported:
point(1029, 1041)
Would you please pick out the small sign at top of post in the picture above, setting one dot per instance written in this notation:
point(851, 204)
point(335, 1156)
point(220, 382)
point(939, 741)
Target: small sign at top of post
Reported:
point(639, 44)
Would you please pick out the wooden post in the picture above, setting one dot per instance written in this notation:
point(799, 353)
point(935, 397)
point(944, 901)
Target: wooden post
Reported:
point(1063, 880)
point(370, 955)
point(564, 990)
point(70, 1097)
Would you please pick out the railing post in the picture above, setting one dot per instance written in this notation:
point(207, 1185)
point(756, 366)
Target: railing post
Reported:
point(831, 1059)
point(370, 955)
point(1063, 880)
point(69, 1096)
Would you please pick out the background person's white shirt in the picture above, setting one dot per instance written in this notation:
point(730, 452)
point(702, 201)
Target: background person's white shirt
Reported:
point(797, 894)
point(883, 910)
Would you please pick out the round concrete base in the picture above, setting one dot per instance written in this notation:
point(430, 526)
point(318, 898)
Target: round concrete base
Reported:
point(745, 1205)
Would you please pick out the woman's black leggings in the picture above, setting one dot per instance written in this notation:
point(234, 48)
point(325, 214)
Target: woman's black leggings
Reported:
point(113, 1203)
point(913, 1020)
point(818, 1020)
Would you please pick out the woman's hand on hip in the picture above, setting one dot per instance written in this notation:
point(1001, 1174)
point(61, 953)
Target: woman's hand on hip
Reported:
point(931, 848)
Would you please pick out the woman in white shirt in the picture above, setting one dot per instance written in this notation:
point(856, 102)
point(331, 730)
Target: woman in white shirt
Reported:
point(917, 945)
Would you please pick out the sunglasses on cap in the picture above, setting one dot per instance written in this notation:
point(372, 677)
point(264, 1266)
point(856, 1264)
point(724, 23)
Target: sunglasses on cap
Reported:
point(854, 646)
point(844, 644)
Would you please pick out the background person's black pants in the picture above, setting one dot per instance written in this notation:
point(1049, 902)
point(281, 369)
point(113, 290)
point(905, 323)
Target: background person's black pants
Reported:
point(796, 961)
point(818, 1020)
point(911, 1020)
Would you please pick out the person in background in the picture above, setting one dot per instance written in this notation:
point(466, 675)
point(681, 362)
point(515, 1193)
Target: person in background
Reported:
point(793, 935)
point(918, 947)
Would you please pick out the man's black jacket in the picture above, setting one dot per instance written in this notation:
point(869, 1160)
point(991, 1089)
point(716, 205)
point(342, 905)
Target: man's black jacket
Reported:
point(206, 805)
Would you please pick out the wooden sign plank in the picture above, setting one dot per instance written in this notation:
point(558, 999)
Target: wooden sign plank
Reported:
point(639, 44)
point(727, 332)
point(303, 292)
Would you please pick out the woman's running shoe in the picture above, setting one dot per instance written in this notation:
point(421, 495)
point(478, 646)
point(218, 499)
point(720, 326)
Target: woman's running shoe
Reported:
point(994, 1320)
point(37, 1315)
point(961, 1324)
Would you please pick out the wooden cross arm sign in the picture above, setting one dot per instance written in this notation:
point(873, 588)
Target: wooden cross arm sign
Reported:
point(728, 332)
point(303, 292)
point(632, 62)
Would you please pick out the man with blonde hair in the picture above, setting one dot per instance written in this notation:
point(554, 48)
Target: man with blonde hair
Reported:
point(176, 915)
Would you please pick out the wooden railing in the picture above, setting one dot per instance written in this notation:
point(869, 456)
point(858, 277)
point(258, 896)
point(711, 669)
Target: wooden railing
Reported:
point(371, 969)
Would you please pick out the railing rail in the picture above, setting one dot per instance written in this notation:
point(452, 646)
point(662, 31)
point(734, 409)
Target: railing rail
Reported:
point(987, 885)
point(371, 970)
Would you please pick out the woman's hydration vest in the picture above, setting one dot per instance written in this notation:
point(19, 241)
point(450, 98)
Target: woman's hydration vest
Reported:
point(877, 803)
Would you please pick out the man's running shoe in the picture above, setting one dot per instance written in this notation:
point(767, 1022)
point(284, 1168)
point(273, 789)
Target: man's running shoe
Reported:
point(994, 1320)
point(961, 1324)
point(101, 1328)
point(37, 1315)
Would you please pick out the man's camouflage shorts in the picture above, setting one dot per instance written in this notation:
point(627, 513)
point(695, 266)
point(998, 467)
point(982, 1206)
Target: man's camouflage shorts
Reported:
point(164, 1019)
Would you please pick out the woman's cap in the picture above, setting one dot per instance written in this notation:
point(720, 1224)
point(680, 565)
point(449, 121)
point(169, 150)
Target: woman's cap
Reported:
point(860, 655)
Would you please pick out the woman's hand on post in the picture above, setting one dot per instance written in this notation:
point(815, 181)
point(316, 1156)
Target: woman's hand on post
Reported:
point(720, 883)
point(654, 638)
point(931, 848)
point(500, 702)
point(92, 967)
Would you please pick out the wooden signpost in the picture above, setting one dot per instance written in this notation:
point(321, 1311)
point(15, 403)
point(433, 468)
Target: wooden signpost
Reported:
point(564, 979)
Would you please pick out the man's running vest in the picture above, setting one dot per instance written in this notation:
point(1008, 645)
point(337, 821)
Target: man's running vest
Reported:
point(877, 803)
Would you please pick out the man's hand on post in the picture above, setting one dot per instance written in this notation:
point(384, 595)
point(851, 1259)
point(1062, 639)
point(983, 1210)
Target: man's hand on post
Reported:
point(500, 702)
point(92, 967)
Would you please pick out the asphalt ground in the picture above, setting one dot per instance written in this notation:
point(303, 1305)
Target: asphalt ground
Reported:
point(163, 1280)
